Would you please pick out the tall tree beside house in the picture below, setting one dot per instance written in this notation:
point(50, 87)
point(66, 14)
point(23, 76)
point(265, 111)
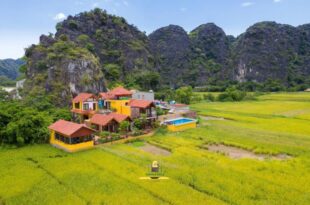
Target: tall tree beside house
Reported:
point(184, 94)
point(124, 127)
point(26, 122)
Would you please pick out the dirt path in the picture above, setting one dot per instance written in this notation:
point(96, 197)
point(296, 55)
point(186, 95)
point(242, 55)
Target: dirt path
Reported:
point(155, 150)
point(238, 153)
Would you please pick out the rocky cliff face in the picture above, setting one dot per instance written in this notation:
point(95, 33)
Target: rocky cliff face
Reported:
point(62, 69)
point(264, 51)
point(88, 52)
point(93, 50)
point(110, 38)
point(268, 50)
point(212, 42)
point(190, 59)
point(171, 49)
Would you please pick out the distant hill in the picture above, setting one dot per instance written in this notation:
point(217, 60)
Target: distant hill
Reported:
point(95, 50)
point(10, 68)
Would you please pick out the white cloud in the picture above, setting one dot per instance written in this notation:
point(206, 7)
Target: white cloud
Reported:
point(94, 5)
point(247, 4)
point(277, 1)
point(59, 17)
point(183, 9)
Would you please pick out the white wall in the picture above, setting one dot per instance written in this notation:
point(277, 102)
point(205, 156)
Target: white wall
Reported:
point(143, 96)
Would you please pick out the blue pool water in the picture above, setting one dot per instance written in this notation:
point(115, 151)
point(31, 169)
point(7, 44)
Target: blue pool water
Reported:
point(179, 121)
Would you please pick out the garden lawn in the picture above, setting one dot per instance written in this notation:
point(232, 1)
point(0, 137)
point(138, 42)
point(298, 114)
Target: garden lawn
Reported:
point(41, 174)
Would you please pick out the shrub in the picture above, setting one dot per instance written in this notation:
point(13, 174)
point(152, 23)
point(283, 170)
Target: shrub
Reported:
point(63, 37)
point(112, 71)
point(209, 97)
point(58, 26)
point(138, 124)
point(115, 136)
point(162, 130)
point(73, 24)
point(83, 39)
point(90, 47)
point(99, 34)
point(196, 98)
point(104, 134)
point(233, 94)
point(160, 111)
point(124, 127)
point(136, 132)
point(156, 124)
point(4, 96)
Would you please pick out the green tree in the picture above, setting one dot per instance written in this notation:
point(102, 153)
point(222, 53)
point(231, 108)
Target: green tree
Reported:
point(83, 39)
point(148, 80)
point(29, 127)
point(112, 71)
point(208, 97)
point(124, 127)
point(4, 96)
point(184, 94)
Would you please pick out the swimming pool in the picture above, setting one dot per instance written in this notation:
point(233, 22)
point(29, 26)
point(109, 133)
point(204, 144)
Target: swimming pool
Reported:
point(179, 124)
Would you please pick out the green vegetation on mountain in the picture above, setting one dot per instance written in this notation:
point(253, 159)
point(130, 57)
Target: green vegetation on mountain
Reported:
point(9, 68)
point(93, 51)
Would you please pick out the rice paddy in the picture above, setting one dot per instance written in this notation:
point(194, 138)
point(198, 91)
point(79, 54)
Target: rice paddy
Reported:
point(274, 125)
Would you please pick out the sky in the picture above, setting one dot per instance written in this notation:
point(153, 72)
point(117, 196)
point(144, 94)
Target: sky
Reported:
point(23, 21)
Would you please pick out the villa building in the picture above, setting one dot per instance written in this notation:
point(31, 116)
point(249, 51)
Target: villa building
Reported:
point(139, 107)
point(120, 100)
point(71, 136)
point(84, 106)
point(109, 122)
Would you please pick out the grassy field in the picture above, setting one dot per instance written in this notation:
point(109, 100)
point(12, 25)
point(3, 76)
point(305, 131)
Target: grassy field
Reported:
point(275, 124)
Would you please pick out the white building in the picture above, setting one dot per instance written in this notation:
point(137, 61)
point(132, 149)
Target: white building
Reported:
point(142, 95)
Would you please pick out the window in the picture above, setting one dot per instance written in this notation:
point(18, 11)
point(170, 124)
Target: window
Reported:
point(94, 106)
point(77, 105)
point(56, 136)
point(85, 106)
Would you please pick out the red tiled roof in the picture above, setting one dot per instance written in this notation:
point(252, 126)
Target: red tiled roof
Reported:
point(119, 117)
point(101, 119)
point(140, 103)
point(67, 128)
point(120, 91)
point(82, 97)
point(106, 96)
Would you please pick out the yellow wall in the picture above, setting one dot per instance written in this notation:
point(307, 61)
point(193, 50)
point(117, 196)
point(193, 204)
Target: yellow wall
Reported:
point(69, 147)
point(175, 128)
point(120, 106)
